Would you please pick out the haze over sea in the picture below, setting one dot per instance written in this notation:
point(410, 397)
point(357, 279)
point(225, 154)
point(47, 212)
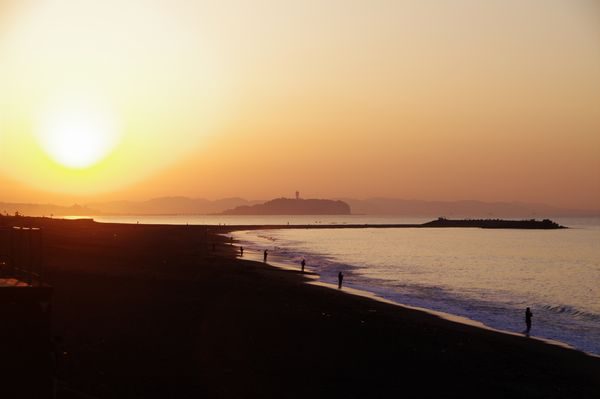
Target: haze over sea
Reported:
point(485, 275)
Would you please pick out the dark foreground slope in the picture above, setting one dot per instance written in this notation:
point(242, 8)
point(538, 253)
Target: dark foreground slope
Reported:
point(152, 312)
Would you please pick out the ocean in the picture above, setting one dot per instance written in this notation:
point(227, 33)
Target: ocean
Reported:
point(489, 276)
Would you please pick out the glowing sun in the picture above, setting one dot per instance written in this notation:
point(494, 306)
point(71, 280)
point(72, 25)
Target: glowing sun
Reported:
point(78, 134)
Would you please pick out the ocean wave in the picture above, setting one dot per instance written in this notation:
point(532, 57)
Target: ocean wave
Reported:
point(571, 311)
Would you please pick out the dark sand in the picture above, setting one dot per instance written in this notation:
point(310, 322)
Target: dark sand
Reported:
point(152, 312)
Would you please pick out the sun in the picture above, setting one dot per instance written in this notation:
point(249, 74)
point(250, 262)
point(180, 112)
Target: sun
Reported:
point(77, 134)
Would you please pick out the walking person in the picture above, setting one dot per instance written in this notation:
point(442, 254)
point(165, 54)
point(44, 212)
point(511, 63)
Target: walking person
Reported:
point(528, 316)
point(340, 279)
point(265, 253)
point(303, 263)
point(241, 251)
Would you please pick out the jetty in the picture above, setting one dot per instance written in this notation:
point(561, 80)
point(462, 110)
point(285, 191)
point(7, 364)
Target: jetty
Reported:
point(441, 222)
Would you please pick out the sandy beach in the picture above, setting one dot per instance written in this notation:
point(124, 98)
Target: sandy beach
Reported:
point(155, 312)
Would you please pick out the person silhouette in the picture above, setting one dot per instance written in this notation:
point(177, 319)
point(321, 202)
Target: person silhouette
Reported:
point(241, 251)
point(265, 253)
point(528, 316)
point(303, 263)
point(340, 279)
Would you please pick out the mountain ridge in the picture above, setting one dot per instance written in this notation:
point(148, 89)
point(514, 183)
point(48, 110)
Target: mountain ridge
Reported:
point(371, 206)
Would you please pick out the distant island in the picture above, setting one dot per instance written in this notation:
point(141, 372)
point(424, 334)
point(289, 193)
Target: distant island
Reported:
point(297, 206)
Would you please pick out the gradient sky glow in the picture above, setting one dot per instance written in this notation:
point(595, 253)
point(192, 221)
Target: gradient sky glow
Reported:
point(495, 100)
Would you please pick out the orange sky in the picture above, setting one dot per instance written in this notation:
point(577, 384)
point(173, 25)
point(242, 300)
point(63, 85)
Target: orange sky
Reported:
point(440, 100)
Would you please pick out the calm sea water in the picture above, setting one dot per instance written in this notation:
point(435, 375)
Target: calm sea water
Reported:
point(258, 220)
point(489, 276)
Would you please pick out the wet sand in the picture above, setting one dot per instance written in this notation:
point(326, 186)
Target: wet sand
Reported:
point(154, 312)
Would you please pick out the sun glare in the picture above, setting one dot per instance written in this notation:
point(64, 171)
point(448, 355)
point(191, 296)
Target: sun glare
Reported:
point(77, 135)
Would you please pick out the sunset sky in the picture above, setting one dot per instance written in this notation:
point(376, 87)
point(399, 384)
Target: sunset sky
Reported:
point(495, 100)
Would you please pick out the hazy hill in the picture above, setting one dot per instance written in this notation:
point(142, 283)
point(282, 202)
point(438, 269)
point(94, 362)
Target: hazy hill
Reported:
point(466, 208)
point(170, 206)
point(46, 209)
point(156, 206)
point(371, 206)
point(286, 206)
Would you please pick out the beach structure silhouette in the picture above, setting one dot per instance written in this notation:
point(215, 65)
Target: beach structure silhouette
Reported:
point(25, 314)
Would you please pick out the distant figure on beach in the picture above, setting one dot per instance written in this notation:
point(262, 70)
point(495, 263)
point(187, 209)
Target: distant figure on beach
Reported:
point(340, 279)
point(303, 263)
point(528, 316)
point(241, 251)
point(265, 253)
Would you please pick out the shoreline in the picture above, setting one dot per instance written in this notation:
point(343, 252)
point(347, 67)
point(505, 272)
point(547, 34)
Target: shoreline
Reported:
point(365, 293)
point(156, 311)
